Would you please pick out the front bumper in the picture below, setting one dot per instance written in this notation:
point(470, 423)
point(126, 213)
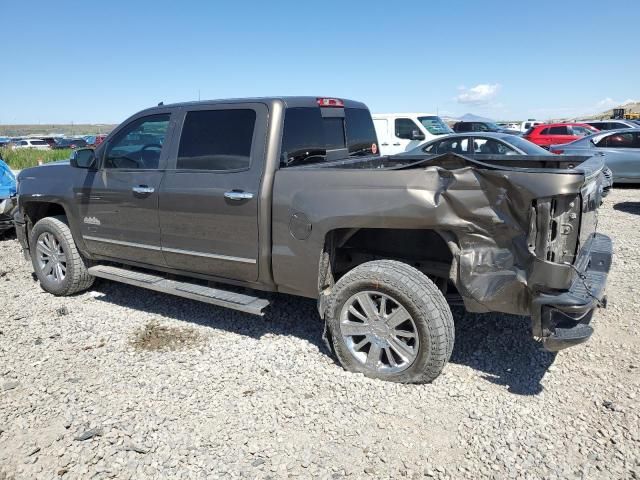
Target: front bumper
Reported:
point(7, 209)
point(562, 318)
point(21, 233)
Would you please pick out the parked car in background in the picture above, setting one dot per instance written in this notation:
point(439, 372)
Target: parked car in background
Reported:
point(70, 143)
point(51, 141)
point(34, 143)
point(401, 132)
point(620, 149)
point(460, 127)
point(7, 197)
point(94, 140)
point(478, 144)
point(524, 126)
point(612, 124)
point(4, 141)
point(556, 133)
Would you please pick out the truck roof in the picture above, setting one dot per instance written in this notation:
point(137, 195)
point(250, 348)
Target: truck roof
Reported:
point(414, 114)
point(289, 102)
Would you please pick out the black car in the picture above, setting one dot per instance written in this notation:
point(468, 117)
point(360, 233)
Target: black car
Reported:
point(463, 127)
point(70, 143)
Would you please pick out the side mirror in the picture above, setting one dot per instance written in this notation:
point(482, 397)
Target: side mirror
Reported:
point(417, 135)
point(83, 158)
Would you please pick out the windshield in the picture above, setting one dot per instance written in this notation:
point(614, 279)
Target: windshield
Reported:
point(435, 125)
point(493, 126)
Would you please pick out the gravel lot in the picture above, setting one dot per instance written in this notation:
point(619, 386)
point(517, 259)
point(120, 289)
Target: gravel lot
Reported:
point(121, 382)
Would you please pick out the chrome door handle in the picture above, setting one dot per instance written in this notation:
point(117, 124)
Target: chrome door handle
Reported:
point(143, 189)
point(238, 195)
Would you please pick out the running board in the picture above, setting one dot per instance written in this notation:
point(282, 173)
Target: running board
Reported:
point(214, 296)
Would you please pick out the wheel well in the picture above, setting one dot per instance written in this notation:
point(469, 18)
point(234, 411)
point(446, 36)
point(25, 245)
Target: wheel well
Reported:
point(426, 250)
point(38, 210)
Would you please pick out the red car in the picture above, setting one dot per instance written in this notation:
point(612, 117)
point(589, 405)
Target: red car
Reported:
point(556, 133)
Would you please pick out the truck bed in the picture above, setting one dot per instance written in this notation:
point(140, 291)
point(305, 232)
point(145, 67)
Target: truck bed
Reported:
point(533, 163)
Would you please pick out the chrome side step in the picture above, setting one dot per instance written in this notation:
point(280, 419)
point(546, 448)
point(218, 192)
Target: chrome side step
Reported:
point(214, 296)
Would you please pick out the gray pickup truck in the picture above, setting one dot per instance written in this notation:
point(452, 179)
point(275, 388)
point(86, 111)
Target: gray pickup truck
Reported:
point(290, 195)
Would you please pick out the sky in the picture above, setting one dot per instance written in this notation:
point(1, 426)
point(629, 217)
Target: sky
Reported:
point(99, 62)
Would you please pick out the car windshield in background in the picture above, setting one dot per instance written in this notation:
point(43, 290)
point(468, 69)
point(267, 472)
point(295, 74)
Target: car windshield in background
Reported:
point(526, 146)
point(435, 125)
point(493, 126)
point(308, 136)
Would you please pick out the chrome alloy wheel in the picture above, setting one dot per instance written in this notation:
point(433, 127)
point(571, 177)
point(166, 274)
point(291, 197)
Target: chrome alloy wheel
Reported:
point(51, 259)
point(379, 332)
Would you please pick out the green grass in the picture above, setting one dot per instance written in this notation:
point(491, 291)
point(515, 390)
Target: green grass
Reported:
point(25, 158)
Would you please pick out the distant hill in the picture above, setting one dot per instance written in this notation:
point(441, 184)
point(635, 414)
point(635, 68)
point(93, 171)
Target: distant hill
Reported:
point(630, 107)
point(54, 129)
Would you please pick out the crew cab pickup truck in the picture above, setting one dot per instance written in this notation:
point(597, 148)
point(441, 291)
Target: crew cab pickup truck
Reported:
point(290, 195)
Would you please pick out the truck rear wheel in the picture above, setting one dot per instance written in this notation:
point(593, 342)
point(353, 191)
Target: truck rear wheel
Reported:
point(389, 321)
point(56, 259)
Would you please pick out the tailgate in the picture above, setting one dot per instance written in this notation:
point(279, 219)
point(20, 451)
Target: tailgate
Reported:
point(563, 224)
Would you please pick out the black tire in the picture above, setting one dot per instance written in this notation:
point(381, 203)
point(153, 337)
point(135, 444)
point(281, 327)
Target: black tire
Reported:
point(76, 278)
point(419, 296)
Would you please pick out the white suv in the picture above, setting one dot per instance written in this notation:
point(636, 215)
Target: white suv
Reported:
point(401, 132)
point(34, 143)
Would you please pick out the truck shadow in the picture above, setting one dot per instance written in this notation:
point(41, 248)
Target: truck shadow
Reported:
point(628, 207)
point(499, 346)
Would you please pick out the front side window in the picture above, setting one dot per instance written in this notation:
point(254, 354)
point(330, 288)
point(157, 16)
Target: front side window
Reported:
point(581, 131)
point(618, 140)
point(217, 140)
point(139, 144)
point(405, 127)
point(452, 145)
point(491, 146)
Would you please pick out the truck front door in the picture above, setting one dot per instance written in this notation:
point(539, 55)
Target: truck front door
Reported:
point(210, 194)
point(118, 203)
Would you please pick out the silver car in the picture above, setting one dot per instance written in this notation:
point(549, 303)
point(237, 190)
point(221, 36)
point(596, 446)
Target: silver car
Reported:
point(476, 144)
point(620, 148)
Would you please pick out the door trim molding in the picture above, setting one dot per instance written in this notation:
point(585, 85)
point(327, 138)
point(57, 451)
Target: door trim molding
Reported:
point(209, 255)
point(171, 250)
point(121, 242)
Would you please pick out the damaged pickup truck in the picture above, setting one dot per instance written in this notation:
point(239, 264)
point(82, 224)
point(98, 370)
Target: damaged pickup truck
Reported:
point(289, 195)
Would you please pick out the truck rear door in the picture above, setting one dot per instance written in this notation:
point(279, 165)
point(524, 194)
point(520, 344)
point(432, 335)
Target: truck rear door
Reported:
point(209, 196)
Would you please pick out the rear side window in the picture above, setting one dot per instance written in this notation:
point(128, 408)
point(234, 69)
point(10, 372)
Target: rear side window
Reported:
point(38, 142)
point(216, 140)
point(545, 131)
point(558, 131)
point(308, 136)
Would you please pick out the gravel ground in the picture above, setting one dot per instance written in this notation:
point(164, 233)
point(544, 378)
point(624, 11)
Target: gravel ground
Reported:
point(120, 382)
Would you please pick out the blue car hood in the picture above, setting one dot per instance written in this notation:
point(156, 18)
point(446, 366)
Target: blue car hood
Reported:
point(7, 181)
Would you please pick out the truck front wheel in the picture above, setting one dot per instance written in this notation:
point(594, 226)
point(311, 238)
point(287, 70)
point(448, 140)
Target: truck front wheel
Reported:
point(56, 259)
point(387, 320)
